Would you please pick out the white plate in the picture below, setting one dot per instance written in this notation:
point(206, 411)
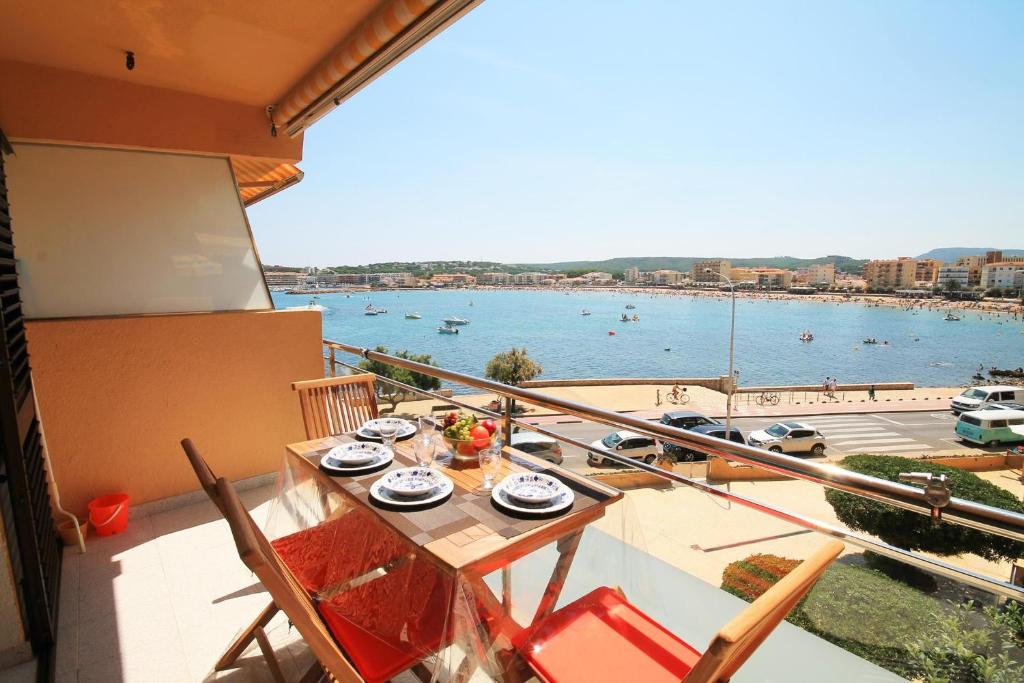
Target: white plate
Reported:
point(560, 502)
point(373, 426)
point(532, 487)
point(406, 430)
point(336, 469)
point(410, 482)
point(356, 453)
point(381, 494)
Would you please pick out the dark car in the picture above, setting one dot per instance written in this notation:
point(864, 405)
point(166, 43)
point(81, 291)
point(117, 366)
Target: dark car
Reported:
point(683, 419)
point(715, 430)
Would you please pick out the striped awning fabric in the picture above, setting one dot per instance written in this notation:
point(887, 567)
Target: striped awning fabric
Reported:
point(395, 29)
point(259, 178)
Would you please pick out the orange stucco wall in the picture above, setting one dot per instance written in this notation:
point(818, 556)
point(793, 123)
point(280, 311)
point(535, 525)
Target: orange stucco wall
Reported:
point(53, 105)
point(116, 395)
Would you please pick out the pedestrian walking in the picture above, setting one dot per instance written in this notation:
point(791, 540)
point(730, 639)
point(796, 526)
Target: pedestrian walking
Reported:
point(871, 393)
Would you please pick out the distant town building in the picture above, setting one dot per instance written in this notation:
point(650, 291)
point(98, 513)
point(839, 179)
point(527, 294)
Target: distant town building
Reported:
point(667, 277)
point(285, 278)
point(452, 280)
point(818, 274)
point(716, 266)
point(773, 278)
point(596, 276)
point(927, 271)
point(1003, 275)
point(494, 279)
point(947, 275)
point(973, 264)
point(890, 273)
point(632, 275)
point(529, 278)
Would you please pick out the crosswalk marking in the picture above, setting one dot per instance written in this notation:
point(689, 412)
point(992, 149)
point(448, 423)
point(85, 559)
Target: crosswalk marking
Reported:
point(879, 440)
point(908, 447)
point(856, 430)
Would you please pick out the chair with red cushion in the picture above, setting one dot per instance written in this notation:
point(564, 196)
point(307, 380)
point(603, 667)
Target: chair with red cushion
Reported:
point(601, 637)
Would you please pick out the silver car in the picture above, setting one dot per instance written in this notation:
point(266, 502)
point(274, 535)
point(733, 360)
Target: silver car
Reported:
point(789, 437)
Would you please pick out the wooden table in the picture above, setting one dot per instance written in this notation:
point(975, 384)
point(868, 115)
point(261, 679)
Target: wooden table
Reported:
point(478, 550)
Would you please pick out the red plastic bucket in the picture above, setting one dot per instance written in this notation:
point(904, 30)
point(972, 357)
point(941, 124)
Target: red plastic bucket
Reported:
point(109, 514)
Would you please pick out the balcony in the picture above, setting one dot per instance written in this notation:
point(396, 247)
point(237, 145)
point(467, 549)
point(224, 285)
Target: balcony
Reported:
point(161, 601)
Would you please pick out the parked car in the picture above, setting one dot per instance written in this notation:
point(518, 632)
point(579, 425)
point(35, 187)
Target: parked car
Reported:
point(991, 427)
point(789, 437)
point(538, 445)
point(629, 444)
point(683, 419)
point(977, 398)
point(1004, 406)
point(715, 430)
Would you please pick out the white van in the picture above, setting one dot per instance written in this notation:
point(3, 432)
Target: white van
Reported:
point(976, 398)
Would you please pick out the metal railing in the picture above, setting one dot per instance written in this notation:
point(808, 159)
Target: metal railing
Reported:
point(957, 511)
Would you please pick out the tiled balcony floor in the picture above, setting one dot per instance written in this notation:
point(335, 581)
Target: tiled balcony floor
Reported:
point(162, 601)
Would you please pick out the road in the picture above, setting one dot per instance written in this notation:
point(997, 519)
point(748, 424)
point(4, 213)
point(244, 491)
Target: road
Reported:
point(905, 433)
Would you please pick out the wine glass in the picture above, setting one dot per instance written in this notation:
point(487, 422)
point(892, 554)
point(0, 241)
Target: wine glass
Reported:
point(490, 465)
point(388, 433)
point(427, 425)
point(425, 448)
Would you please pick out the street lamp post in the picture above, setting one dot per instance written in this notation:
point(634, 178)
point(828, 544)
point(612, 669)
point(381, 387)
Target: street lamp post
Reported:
point(732, 340)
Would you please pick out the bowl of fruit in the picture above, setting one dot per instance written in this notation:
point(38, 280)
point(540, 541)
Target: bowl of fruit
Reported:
point(467, 436)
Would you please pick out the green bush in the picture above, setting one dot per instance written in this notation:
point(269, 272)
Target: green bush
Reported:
point(915, 531)
point(893, 625)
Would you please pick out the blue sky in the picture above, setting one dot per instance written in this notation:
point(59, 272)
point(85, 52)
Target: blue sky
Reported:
point(539, 130)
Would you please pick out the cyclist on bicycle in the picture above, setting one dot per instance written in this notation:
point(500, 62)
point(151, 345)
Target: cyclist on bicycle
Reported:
point(676, 392)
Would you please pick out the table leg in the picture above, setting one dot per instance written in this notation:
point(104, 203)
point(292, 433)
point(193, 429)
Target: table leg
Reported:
point(566, 552)
point(506, 588)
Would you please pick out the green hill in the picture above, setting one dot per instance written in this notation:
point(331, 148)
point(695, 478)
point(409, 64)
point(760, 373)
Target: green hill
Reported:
point(685, 263)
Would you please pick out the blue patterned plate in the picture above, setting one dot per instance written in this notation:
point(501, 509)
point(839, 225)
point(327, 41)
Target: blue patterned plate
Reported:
point(336, 467)
point(383, 494)
point(532, 487)
point(357, 453)
point(559, 503)
point(411, 481)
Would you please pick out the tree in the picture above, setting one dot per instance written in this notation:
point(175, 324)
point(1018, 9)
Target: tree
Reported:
point(512, 367)
point(389, 391)
point(914, 531)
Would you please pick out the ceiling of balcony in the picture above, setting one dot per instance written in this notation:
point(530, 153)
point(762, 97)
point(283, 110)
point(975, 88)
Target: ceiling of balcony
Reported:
point(249, 51)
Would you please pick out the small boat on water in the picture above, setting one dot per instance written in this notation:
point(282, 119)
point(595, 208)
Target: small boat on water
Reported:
point(370, 310)
point(630, 307)
point(448, 329)
point(454, 320)
point(636, 318)
point(585, 312)
point(413, 316)
point(624, 318)
point(382, 310)
point(311, 306)
point(806, 336)
point(951, 317)
point(870, 340)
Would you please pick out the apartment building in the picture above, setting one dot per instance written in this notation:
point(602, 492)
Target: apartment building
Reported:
point(494, 278)
point(818, 274)
point(667, 277)
point(773, 278)
point(890, 273)
point(973, 265)
point(716, 266)
point(927, 271)
point(957, 276)
point(1002, 275)
point(283, 278)
point(452, 280)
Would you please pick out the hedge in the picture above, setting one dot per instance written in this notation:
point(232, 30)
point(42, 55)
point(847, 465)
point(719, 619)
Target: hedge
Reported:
point(915, 531)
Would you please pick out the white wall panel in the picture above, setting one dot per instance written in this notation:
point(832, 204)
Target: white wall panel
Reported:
point(114, 232)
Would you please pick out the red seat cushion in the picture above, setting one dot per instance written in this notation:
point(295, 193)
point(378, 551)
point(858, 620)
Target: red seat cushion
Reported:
point(389, 623)
point(601, 637)
point(338, 550)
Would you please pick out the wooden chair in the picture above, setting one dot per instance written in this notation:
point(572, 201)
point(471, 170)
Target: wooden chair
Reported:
point(335, 405)
point(601, 637)
point(329, 625)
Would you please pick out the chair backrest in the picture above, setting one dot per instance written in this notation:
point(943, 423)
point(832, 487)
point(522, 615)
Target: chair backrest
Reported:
point(258, 555)
point(335, 405)
point(738, 639)
point(203, 472)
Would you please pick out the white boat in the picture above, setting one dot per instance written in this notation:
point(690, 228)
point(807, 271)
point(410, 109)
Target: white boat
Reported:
point(585, 312)
point(370, 310)
point(630, 307)
point(455, 321)
point(413, 316)
point(806, 336)
point(951, 317)
point(448, 329)
point(311, 306)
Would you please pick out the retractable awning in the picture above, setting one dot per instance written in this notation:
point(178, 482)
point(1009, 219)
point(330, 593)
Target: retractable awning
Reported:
point(392, 32)
point(259, 178)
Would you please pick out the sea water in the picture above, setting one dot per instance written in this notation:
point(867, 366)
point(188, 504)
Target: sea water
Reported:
point(677, 335)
